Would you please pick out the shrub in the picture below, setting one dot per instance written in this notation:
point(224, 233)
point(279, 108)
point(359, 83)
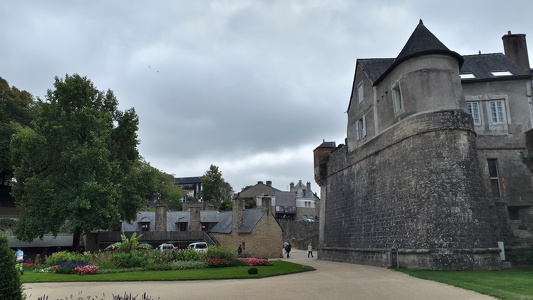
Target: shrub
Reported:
point(221, 252)
point(158, 267)
point(216, 262)
point(190, 254)
point(130, 260)
point(64, 257)
point(10, 287)
point(186, 265)
point(252, 271)
point(85, 270)
point(104, 260)
point(67, 268)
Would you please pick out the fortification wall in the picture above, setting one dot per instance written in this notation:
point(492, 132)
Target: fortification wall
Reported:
point(416, 188)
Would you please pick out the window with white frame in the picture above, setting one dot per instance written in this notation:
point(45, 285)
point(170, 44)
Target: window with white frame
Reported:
point(360, 93)
point(473, 110)
point(397, 99)
point(361, 128)
point(497, 112)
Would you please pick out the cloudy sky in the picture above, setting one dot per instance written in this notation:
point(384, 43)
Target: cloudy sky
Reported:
point(250, 86)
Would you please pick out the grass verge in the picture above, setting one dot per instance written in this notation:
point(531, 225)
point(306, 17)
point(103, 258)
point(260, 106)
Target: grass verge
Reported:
point(509, 284)
point(279, 268)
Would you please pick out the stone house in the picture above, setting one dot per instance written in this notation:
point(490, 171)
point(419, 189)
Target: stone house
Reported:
point(256, 230)
point(435, 168)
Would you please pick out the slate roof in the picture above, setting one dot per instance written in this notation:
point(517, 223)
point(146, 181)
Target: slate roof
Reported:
point(222, 220)
point(327, 145)
point(188, 180)
point(47, 241)
point(421, 42)
point(285, 198)
point(481, 65)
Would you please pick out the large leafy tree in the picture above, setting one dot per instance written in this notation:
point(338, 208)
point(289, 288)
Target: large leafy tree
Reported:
point(160, 186)
point(214, 188)
point(77, 164)
point(16, 111)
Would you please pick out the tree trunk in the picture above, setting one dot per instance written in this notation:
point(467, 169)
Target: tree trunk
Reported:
point(76, 240)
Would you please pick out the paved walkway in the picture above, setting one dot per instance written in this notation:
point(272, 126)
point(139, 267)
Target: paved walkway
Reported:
point(331, 280)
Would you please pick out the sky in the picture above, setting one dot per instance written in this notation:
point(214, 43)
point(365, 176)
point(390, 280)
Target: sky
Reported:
point(252, 87)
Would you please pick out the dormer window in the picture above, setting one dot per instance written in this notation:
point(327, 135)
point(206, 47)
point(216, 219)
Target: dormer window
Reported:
point(360, 93)
point(501, 73)
point(467, 76)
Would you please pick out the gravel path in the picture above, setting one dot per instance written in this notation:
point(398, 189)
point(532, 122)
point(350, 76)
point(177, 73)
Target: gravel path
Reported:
point(331, 280)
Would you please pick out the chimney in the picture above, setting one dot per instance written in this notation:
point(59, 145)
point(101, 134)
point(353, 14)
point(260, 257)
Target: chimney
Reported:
point(236, 218)
point(515, 48)
point(259, 182)
point(309, 187)
point(161, 217)
point(195, 221)
point(269, 183)
point(292, 186)
point(266, 205)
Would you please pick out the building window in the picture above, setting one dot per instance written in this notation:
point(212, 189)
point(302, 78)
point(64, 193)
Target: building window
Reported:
point(514, 213)
point(494, 177)
point(360, 93)
point(473, 110)
point(497, 112)
point(361, 128)
point(145, 226)
point(397, 99)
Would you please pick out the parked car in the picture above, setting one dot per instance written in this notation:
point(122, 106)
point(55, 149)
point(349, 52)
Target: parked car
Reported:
point(200, 247)
point(164, 247)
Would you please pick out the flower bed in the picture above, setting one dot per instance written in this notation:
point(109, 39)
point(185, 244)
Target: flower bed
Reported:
point(85, 270)
point(256, 261)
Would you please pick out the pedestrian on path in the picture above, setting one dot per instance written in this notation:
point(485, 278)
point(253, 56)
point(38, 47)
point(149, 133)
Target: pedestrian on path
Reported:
point(288, 250)
point(309, 250)
point(283, 249)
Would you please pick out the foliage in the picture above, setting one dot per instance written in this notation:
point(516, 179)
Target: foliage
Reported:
point(7, 224)
point(16, 112)
point(10, 287)
point(252, 271)
point(214, 188)
point(128, 244)
point(226, 205)
point(74, 162)
point(520, 257)
point(221, 252)
point(104, 260)
point(130, 260)
point(246, 187)
point(190, 254)
point(62, 257)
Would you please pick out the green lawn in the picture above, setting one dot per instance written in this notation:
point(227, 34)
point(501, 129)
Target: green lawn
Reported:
point(515, 283)
point(279, 268)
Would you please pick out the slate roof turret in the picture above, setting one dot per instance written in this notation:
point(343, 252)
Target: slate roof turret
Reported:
point(421, 42)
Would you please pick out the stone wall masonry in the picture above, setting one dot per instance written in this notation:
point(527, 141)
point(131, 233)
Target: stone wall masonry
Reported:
point(416, 187)
point(300, 234)
point(264, 242)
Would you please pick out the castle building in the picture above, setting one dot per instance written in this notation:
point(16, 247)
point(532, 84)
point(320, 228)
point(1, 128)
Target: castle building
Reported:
point(435, 169)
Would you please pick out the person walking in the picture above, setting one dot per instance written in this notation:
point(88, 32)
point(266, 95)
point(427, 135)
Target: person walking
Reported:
point(283, 249)
point(20, 259)
point(309, 250)
point(288, 250)
point(239, 250)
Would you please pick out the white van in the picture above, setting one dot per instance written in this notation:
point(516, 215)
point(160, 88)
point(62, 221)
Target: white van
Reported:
point(200, 247)
point(164, 247)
